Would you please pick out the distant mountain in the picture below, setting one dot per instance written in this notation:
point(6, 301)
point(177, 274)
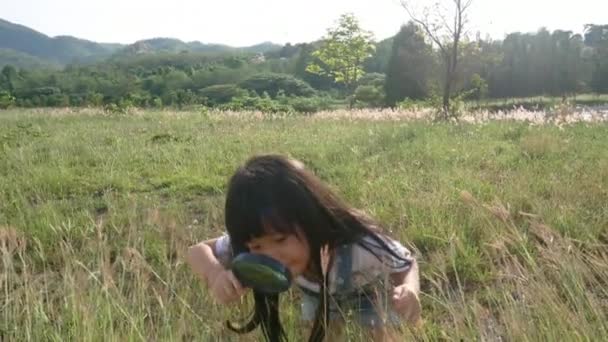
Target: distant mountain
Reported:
point(22, 60)
point(263, 47)
point(60, 50)
point(173, 45)
point(170, 45)
point(35, 49)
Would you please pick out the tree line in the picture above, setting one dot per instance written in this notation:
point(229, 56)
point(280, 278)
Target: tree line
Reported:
point(346, 67)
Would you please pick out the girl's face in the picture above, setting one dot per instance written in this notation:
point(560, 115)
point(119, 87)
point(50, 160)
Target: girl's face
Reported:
point(292, 250)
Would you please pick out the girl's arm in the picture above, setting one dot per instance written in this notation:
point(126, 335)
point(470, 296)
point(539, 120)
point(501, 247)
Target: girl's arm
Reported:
point(405, 294)
point(221, 282)
point(411, 277)
point(203, 261)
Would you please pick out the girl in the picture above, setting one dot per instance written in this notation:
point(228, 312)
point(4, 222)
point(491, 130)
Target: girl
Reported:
point(339, 258)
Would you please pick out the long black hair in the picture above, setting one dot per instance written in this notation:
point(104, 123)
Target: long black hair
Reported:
point(278, 192)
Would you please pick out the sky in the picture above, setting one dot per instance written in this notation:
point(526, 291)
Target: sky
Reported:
point(248, 22)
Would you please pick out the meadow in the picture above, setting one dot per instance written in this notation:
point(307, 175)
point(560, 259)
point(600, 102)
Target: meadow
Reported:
point(508, 218)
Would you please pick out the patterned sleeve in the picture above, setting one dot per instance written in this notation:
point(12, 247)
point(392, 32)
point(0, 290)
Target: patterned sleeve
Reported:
point(398, 264)
point(223, 250)
point(398, 259)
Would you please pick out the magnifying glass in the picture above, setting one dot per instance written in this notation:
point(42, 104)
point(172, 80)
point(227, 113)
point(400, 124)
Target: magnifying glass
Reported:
point(261, 273)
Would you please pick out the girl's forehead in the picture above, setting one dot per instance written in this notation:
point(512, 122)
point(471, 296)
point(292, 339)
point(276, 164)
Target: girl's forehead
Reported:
point(266, 236)
point(273, 224)
point(270, 234)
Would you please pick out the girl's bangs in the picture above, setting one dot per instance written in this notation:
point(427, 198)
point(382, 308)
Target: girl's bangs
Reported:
point(252, 219)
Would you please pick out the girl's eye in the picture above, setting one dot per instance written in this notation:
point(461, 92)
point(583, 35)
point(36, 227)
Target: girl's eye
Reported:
point(254, 247)
point(280, 239)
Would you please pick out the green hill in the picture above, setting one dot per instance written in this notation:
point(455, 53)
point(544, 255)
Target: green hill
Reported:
point(24, 47)
point(57, 50)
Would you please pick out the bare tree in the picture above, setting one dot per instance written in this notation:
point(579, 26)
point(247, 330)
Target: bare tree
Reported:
point(444, 22)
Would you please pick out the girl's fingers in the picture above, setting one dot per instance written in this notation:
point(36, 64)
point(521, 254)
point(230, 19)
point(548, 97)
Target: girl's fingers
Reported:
point(397, 297)
point(236, 285)
point(398, 292)
point(414, 313)
point(407, 304)
point(223, 290)
point(220, 295)
point(404, 298)
point(226, 292)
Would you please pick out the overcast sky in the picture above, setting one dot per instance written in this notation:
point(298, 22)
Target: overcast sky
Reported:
point(248, 22)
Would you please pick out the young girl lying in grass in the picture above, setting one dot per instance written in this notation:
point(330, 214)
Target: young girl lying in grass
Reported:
point(341, 260)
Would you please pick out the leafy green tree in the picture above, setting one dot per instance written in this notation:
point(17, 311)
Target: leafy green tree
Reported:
point(9, 74)
point(343, 52)
point(410, 65)
point(538, 63)
point(302, 60)
point(596, 36)
point(478, 89)
point(379, 60)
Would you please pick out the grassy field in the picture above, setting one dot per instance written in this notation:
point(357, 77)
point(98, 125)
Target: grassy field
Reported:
point(509, 221)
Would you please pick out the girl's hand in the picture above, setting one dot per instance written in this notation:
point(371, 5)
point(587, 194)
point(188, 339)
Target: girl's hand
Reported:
point(225, 288)
point(406, 302)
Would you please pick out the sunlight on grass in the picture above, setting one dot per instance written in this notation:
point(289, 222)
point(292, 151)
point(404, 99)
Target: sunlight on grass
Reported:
point(508, 219)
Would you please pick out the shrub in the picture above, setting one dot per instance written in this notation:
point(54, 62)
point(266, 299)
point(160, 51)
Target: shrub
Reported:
point(220, 93)
point(272, 84)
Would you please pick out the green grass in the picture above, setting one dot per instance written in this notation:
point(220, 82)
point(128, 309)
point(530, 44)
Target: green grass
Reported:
point(509, 221)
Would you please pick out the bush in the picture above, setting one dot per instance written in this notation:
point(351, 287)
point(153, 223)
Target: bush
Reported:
point(253, 102)
point(39, 91)
point(57, 100)
point(309, 104)
point(138, 99)
point(123, 107)
point(6, 100)
point(77, 100)
point(373, 79)
point(369, 95)
point(272, 84)
point(410, 104)
point(221, 93)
